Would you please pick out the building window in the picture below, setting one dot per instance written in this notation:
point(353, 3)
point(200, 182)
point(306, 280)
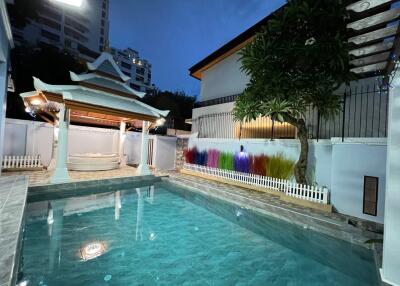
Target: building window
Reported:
point(370, 201)
point(74, 24)
point(139, 79)
point(87, 52)
point(103, 14)
point(102, 23)
point(74, 34)
point(135, 86)
point(50, 23)
point(50, 13)
point(50, 36)
point(125, 65)
point(140, 71)
point(126, 73)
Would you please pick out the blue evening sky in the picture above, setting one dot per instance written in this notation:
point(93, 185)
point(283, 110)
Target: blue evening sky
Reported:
point(175, 34)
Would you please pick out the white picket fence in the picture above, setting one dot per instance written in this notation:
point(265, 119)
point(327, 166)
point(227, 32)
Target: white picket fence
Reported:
point(22, 162)
point(305, 192)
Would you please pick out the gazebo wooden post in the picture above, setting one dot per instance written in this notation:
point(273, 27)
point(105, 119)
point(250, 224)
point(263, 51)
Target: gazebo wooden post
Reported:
point(143, 168)
point(121, 141)
point(60, 174)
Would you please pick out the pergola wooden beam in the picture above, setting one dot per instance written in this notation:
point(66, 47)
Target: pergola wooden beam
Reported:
point(381, 18)
point(374, 35)
point(363, 5)
point(370, 59)
point(372, 49)
point(370, 68)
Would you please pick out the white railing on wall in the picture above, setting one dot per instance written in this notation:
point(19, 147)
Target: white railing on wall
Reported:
point(21, 162)
point(305, 192)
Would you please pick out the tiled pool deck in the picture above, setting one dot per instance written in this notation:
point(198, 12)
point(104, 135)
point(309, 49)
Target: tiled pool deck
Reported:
point(38, 178)
point(13, 192)
point(332, 224)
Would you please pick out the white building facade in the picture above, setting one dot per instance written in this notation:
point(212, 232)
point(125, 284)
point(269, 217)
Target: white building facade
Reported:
point(82, 31)
point(139, 70)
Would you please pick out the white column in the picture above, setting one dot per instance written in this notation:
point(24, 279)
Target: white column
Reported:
point(61, 172)
point(143, 168)
point(56, 128)
point(391, 241)
point(121, 144)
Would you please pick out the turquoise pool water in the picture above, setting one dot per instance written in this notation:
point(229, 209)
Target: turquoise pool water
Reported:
point(166, 235)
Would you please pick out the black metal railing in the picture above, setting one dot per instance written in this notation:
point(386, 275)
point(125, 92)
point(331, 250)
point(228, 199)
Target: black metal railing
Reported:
point(363, 114)
point(220, 100)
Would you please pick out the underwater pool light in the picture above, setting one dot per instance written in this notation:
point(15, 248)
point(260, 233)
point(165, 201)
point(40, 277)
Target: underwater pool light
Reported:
point(92, 250)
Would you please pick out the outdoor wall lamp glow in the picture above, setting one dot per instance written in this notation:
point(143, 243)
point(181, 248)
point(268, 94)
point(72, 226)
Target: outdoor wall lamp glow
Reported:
point(160, 122)
point(75, 3)
point(36, 102)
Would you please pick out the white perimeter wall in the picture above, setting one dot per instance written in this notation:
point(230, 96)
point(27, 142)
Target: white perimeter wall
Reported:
point(341, 166)
point(23, 137)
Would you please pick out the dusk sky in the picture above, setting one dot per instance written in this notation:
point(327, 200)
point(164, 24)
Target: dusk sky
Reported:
point(175, 34)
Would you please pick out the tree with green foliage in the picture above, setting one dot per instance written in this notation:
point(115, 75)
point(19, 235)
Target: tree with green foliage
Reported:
point(178, 103)
point(297, 61)
point(47, 63)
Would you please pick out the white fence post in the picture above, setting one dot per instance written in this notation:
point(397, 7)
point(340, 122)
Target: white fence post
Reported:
point(21, 162)
point(300, 191)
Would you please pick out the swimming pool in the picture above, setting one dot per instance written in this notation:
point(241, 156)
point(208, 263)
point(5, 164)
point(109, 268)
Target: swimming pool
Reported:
point(166, 235)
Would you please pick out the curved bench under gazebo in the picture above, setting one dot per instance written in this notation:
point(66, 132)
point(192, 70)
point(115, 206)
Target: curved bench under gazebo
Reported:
point(101, 97)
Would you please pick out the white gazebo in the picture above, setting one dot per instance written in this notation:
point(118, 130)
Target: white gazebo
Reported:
point(100, 97)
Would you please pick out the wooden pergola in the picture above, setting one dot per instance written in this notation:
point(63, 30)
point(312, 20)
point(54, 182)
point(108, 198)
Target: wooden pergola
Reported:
point(101, 97)
point(374, 36)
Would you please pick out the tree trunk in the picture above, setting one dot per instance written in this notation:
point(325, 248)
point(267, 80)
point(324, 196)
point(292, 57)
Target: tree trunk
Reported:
point(301, 165)
point(300, 168)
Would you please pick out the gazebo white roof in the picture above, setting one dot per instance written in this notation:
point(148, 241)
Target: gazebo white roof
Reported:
point(98, 80)
point(103, 91)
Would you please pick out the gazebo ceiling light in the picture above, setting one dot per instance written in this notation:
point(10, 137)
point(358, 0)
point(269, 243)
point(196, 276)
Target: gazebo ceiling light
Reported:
point(36, 102)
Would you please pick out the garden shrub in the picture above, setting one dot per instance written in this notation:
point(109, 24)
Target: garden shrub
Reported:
point(212, 158)
point(201, 158)
point(280, 167)
point(242, 162)
point(225, 161)
point(258, 164)
point(190, 155)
